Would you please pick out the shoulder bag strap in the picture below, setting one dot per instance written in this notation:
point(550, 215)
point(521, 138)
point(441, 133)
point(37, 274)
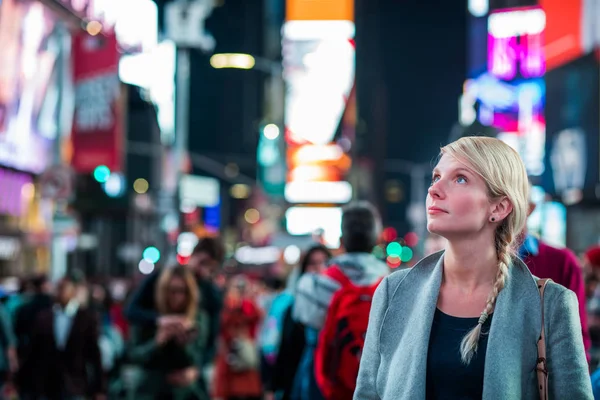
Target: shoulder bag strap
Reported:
point(542, 367)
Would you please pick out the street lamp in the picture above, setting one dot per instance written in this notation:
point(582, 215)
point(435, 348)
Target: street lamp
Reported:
point(274, 95)
point(232, 60)
point(245, 61)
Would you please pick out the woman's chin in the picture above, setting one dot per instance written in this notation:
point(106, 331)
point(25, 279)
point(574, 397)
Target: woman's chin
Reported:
point(442, 230)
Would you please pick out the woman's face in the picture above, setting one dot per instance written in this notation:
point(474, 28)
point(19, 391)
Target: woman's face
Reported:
point(457, 200)
point(177, 295)
point(317, 262)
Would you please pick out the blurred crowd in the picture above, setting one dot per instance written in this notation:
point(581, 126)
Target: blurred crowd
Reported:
point(192, 332)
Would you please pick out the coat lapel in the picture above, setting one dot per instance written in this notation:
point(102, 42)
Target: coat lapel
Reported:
point(512, 340)
point(410, 327)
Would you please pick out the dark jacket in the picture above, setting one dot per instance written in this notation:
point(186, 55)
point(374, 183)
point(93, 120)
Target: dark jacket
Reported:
point(76, 370)
point(141, 309)
point(158, 361)
point(290, 353)
point(24, 319)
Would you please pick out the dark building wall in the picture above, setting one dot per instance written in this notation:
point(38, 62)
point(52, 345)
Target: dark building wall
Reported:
point(411, 64)
point(226, 105)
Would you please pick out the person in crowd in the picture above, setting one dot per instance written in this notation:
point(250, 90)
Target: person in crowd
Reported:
point(8, 351)
point(560, 265)
point(290, 348)
point(591, 264)
point(118, 291)
point(591, 270)
point(206, 259)
point(237, 374)
point(439, 323)
point(111, 342)
point(64, 360)
point(170, 353)
point(361, 228)
point(20, 296)
point(37, 298)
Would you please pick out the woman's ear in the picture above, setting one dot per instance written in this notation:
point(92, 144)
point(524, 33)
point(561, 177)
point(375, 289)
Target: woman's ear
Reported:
point(501, 209)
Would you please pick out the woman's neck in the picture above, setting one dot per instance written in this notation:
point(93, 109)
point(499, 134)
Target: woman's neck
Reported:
point(470, 264)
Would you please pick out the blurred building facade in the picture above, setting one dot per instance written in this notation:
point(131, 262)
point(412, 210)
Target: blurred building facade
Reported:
point(532, 81)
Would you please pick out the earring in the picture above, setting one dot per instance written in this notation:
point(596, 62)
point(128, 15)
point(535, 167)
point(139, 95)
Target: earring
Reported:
point(493, 219)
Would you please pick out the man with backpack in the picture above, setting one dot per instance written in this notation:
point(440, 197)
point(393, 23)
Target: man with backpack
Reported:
point(335, 307)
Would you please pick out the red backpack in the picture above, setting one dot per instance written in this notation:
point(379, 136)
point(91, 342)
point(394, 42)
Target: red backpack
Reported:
point(342, 339)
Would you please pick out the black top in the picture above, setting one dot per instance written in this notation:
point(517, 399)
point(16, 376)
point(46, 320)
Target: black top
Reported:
point(290, 354)
point(447, 377)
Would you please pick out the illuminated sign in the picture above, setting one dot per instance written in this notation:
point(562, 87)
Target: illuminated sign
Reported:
point(516, 109)
point(511, 95)
point(515, 44)
point(311, 10)
point(134, 21)
point(308, 220)
point(319, 69)
point(14, 188)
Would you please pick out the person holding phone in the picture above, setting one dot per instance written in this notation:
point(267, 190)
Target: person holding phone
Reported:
point(171, 352)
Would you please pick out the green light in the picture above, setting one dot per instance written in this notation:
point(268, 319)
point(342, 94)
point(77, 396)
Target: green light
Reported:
point(407, 254)
point(151, 254)
point(394, 249)
point(378, 252)
point(102, 173)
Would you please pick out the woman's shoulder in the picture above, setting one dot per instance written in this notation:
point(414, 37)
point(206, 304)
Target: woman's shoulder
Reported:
point(555, 292)
point(558, 295)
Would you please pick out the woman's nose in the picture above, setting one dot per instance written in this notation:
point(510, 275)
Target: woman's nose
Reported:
point(435, 190)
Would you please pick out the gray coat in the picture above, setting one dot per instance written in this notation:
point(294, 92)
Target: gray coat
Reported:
point(394, 360)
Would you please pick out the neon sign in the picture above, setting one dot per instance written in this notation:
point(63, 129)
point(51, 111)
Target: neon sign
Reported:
point(515, 44)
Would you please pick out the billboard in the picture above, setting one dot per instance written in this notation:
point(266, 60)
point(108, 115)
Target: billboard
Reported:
point(320, 113)
point(29, 88)
point(98, 119)
point(573, 155)
point(572, 31)
point(319, 70)
point(509, 94)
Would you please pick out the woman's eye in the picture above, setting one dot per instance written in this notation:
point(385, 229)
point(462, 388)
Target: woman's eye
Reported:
point(434, 179)
point(461, 179)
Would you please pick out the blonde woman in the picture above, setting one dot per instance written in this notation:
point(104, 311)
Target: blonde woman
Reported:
point(170, 354)
point(464, 322)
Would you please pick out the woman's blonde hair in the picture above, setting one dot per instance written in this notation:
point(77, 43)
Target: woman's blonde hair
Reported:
point(162, 291)
point(504, 173)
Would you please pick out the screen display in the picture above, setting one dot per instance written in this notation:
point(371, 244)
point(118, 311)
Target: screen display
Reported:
point(28, 86)
point(573, 131)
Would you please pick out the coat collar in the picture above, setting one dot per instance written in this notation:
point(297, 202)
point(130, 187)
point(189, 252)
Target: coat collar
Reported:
point(419, 291)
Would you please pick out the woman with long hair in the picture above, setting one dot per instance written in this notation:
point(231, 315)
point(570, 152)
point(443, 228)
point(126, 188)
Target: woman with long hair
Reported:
point(170, 354)
point(464, 323)
point(292, 339)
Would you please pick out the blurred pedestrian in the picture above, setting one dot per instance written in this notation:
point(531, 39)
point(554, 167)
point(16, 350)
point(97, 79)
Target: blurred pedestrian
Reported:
point(64, 361)
point(292, 341)
point(205, 261)
point(560, 265)
point(8, 352)
point(36, 298)
point(170, 354)
point(342, 292)
point(237, 374)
